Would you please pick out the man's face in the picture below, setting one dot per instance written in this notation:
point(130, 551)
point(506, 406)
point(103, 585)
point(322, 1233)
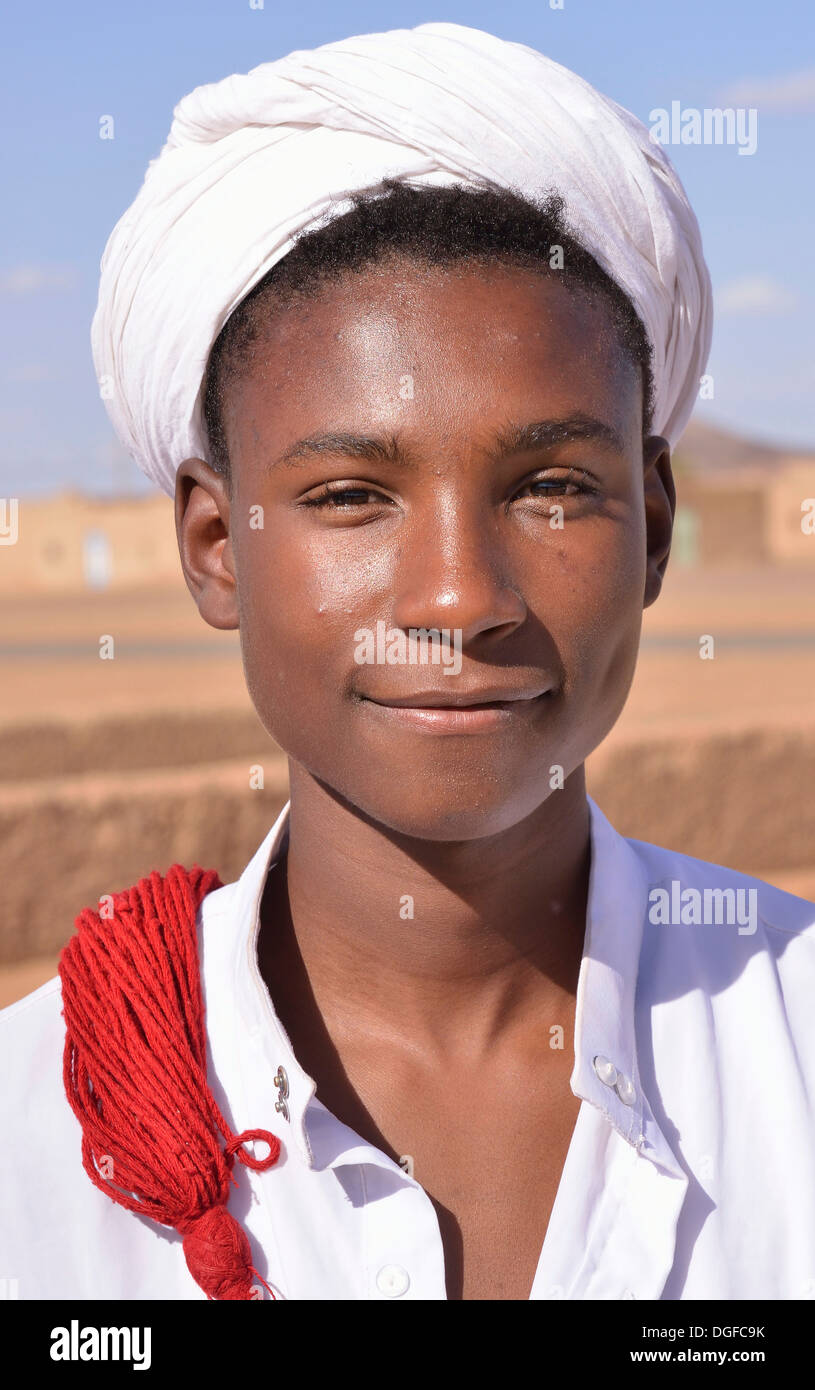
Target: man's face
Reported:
point(540, 558)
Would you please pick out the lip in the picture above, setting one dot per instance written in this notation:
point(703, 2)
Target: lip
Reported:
point(459, 713)
point(462, 699)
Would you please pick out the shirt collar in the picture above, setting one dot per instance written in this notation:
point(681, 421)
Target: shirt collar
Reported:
point(606, 1071)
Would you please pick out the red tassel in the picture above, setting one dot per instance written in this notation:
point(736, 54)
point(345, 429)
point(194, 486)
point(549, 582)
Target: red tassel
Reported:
point(218, 1254)
point(134, 1068)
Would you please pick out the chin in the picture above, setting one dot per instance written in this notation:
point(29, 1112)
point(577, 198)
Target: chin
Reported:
point(443, 814)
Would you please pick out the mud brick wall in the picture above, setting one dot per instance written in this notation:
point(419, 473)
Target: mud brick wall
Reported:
point(87, 809)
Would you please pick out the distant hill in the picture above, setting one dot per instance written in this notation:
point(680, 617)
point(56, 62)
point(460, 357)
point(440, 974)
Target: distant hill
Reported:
point(706, 448)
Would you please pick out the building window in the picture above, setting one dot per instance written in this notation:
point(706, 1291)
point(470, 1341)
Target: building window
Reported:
point(97, 559)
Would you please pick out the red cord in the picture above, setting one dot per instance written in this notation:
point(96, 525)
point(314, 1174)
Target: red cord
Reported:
point(134, 1068)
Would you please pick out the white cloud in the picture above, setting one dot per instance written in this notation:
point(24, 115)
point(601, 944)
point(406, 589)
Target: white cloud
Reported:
point(792, 92)
point(754, 294)
point(34, 279)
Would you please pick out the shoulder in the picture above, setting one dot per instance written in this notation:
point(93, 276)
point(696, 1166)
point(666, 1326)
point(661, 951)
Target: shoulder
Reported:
point(32, 1098)
point(730, 951)
point(40, 1012)
point(724, 891)
point(61, 1236)
point(30, 1020)
point(36, 1120)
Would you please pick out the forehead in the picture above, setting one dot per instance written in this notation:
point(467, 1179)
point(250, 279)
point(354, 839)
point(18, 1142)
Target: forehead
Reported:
point(432, 349)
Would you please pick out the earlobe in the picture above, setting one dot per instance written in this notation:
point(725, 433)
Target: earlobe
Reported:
point(660, 506)
point(202, 520)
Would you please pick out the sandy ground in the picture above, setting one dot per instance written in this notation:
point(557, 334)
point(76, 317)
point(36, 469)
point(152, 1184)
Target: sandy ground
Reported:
point(103, 736)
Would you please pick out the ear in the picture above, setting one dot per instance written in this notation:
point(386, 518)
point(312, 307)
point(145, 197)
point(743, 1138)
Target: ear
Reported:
point(660, 507)
point(202, 512)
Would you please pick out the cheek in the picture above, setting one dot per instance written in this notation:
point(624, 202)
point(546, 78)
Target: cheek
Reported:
point(291, 583)
point(599, 577)
point(301, 599)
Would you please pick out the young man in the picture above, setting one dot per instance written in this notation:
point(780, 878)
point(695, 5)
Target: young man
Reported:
point(453, 996)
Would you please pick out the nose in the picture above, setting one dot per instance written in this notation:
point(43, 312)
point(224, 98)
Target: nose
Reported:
point(453, 572)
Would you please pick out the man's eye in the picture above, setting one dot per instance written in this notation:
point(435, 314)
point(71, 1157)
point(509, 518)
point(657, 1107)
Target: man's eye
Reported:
point(344, 497)
point(567, 485)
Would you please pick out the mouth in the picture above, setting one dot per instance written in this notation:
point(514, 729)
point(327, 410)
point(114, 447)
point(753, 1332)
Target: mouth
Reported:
point(462, 713)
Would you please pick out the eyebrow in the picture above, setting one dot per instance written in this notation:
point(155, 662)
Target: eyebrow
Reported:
point(511, 439)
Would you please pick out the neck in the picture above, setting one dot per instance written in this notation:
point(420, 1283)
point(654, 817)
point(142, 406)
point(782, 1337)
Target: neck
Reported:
point(441, 947)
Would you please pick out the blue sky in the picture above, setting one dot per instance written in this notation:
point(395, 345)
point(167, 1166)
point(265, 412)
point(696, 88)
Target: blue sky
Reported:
point(68, 65)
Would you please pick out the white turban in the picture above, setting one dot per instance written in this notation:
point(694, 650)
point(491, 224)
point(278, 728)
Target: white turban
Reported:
point(257, 159)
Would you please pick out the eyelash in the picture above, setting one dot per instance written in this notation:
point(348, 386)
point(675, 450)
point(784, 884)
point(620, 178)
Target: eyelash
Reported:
point(328, 497)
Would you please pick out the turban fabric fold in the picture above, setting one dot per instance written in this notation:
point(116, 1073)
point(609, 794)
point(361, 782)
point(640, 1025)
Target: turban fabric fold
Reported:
point(257, 159)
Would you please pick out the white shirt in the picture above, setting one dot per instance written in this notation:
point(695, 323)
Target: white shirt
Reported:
point(690, 1173)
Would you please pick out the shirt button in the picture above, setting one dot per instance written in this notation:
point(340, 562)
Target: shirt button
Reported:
point(393, 1281)
point(625, 1090)
point(606, 1070)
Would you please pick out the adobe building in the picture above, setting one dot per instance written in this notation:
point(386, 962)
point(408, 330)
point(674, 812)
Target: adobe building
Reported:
point(745, 516)
point(70, 543)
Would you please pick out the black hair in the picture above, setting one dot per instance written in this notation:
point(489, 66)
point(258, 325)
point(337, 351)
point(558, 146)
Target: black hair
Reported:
point(429, 225)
